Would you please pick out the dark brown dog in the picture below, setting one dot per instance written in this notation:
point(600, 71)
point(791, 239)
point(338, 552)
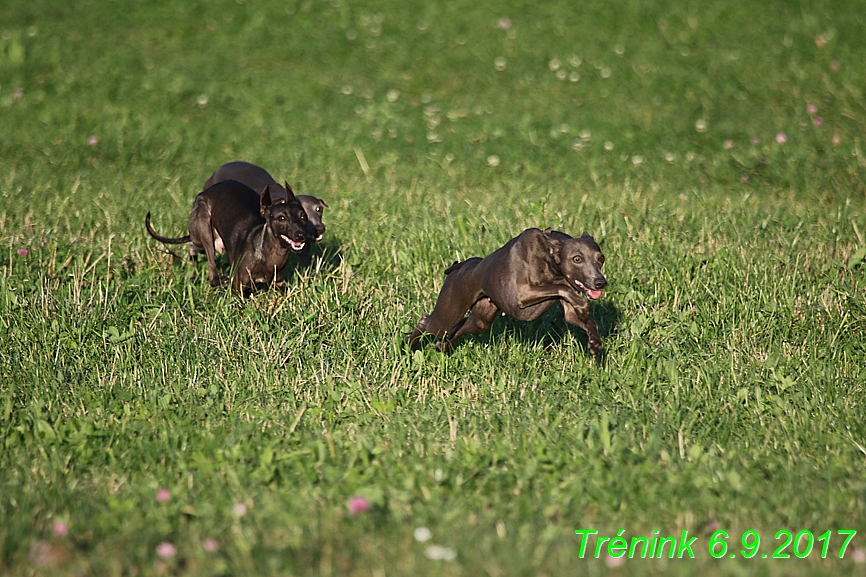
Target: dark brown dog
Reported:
point(522, 279)
point(256, 233)
point(258, 178)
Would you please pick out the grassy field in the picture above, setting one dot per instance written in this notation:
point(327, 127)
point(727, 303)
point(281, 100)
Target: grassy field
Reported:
point(151, 425)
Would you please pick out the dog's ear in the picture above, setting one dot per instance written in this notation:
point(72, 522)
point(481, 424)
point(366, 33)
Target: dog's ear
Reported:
point(586, 235)
point(547, 231)
point(265, 201)
point(325, 204)
point(554, 247)
point(290, 194)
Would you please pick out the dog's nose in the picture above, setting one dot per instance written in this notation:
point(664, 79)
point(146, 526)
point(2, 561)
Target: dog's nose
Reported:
point(300, 236)
point(599, 283)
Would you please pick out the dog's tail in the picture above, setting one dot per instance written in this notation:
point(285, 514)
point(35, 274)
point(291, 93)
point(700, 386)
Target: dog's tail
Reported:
point(456, 266)
point(163, 239)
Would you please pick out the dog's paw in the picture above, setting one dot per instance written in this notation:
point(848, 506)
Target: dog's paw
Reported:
point(595, 348)
point(422, 324)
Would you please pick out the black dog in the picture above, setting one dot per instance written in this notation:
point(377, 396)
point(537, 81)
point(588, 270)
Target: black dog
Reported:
point(522, 279)
point(258, 178)
point(256, 234)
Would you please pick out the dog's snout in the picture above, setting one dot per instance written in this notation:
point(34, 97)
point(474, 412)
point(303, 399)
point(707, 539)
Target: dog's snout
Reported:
point(300, 236)
point(599, 283)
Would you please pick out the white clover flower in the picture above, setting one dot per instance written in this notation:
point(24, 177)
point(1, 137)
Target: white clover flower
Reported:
point(440, 553)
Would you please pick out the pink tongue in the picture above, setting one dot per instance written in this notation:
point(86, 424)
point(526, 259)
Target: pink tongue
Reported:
point(594, 295)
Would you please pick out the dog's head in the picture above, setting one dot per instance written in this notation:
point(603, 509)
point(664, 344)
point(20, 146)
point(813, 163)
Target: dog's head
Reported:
point(286, 219)
point(314, 207)
point(580, 261)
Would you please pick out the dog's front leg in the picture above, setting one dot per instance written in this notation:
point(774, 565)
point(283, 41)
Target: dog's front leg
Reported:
point(528, 295)
point(242, 283)
point(305, 258)
point(579, 317)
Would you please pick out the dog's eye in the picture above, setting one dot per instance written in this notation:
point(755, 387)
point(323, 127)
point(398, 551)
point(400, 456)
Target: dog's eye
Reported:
point(601, 259)
point(281, 218)
point(578, 259)
point(318, 209)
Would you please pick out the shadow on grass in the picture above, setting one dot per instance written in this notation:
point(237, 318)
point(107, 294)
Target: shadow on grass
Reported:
point(551, 327)
point(546, 330)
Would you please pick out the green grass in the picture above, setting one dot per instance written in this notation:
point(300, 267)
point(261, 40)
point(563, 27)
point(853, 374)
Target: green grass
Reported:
point(731, 393)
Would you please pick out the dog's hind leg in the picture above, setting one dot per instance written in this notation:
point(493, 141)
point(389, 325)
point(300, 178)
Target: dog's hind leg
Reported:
point(414, 337)
point(581, 318)
point(202, 234)
point(478, 322)
point(458, 295)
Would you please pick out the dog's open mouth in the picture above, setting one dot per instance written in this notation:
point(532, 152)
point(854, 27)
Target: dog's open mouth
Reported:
point(295, 246)
point(593, 294)
point(319, 238)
